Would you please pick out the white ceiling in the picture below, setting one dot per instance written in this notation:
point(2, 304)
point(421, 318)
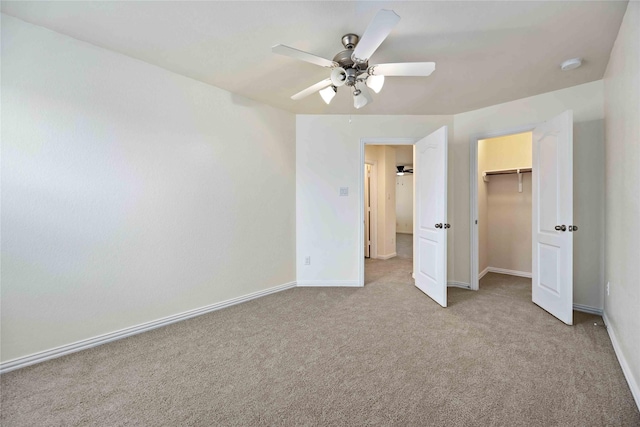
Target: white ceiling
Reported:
point(486, 52)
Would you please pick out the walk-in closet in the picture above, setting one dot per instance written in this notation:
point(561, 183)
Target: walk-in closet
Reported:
point(504, 205)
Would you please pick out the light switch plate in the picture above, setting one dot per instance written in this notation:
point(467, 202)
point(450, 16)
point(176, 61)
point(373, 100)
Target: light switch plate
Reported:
point(344, 191)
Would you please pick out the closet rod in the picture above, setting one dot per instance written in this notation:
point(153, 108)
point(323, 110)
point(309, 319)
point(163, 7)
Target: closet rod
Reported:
point(506, 171)
point(519, 171)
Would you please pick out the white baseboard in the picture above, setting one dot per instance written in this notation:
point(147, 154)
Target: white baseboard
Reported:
point(389, 256)
point(510, 272)
point(53, 353)
point(328, 283)
point(458, 285)
point(587, 309)
point(633, 383)
point(481, 275)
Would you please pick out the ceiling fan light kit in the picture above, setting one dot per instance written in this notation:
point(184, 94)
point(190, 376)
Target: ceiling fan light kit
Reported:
point(361, 95)
point(375, 83)
point(350, 67)
point(328, 93)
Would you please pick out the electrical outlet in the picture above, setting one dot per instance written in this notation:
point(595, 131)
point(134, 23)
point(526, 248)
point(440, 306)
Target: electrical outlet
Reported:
point(307, 260)
point(608, 286)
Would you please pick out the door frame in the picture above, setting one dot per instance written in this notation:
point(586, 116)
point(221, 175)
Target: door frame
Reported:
point(373, 201)
point(474, 281)
point(372, 141)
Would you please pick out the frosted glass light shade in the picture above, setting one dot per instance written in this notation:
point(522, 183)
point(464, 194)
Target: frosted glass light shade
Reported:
point(375, 83)
point(327, 94)
point(363, 98)
point(338, 77)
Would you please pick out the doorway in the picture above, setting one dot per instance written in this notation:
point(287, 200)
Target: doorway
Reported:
point(429, 254)
point(479, 225)
point(378, 202)
point(504, 205)
point(552, 226)
point(388, 201)
point(388, 213)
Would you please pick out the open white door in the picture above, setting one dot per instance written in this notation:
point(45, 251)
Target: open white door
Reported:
point(431, 226)
point(552, 219)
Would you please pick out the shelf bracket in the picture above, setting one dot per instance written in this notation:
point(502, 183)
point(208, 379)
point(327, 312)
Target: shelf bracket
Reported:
point(519, 181)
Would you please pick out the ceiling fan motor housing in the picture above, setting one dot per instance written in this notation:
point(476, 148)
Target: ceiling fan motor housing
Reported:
point(349, 41)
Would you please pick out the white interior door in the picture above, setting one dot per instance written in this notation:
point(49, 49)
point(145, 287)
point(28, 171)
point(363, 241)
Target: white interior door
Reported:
point(431, 226)
point(552, 220)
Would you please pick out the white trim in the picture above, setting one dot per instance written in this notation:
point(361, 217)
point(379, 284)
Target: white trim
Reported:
point(458, 285)
point(53, 353)
point(329, 283)
point(388, 256)
point(626, 369)
point(363, 142)
point(509, 272)
point(373, 251)
point(587, 309)
point(484, 272)
point(473, 193)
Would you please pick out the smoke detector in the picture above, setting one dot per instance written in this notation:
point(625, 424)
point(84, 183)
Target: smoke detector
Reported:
point(571, 64)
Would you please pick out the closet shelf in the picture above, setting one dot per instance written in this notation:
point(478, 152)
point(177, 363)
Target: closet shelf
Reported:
point(505, 171)
point(519, 171)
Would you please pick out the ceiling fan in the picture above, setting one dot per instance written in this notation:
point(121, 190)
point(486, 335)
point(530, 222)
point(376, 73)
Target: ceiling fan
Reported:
point(404, 170)
point(351, 68)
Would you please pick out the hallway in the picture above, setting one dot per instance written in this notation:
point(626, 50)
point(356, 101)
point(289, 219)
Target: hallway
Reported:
point(395, 270)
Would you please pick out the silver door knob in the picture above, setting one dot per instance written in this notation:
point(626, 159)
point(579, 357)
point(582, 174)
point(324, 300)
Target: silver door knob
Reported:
point(573, 228)
point(447, 226)
point(439, 225)
point(561, 227)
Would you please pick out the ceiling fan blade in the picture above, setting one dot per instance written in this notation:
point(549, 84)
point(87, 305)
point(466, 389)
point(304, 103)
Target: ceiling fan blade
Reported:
point(374, 35)
point(281, 49)
point(406, 69)
point(311, 89)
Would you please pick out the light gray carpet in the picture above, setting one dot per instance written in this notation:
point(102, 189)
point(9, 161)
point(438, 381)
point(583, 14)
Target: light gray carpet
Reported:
point(382, 355)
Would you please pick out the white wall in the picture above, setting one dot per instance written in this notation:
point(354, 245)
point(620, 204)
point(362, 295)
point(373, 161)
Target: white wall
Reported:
point(327, 158)
point(389, 175)
point(622, 109)
point(586, 101)
point(404, 204)
point(404, 155)
point(130, 193)
point(588, 213)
